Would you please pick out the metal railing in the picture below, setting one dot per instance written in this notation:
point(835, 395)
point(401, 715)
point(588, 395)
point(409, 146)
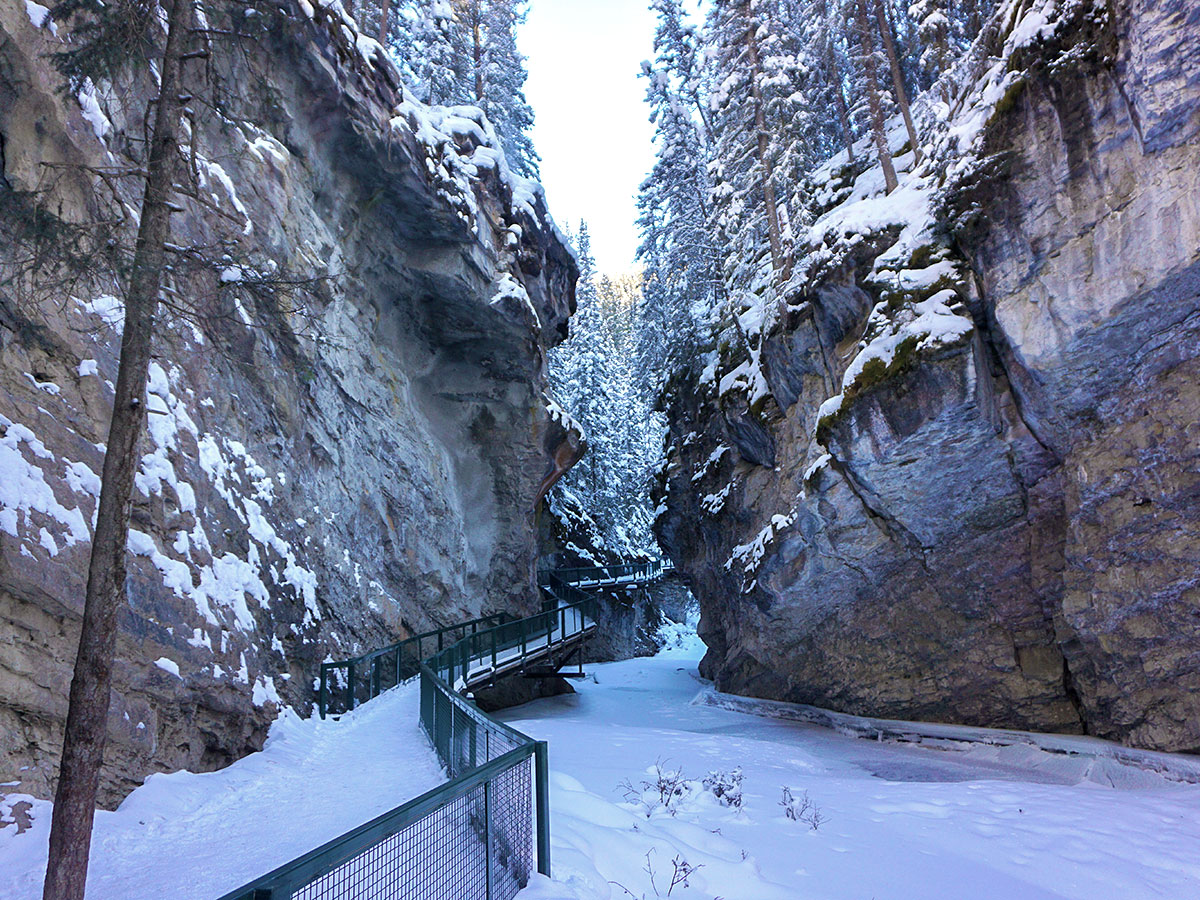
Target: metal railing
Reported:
point(480, 835)
point(347, 683)
point(617, 574)
point(468, 838)
point(482, 656)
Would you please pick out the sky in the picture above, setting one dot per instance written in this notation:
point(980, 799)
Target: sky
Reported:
point(590, 122)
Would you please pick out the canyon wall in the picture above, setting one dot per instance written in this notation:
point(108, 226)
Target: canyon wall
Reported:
point(968, 489)
point(348, 438)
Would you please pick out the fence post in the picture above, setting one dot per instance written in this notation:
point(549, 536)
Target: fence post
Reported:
point(541, 781)
point(350, 687)
point(375, 684)
point(487, 832)
point(450, 761)
point(323, 702)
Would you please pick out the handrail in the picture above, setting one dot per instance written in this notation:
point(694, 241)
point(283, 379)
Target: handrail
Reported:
point(488, 762)
point(567, 621)
point(635, 573)
point(286, 879)
point(346, 670)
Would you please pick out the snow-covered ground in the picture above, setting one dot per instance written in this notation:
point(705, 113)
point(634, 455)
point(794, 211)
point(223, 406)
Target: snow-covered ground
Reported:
point(195, 837)
point(893, 822)
point(900, 822)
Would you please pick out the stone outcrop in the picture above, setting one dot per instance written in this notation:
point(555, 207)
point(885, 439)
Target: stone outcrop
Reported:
point(349, 436)
point(995, 521)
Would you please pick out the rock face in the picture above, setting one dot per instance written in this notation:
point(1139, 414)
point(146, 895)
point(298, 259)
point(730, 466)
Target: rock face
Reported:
point(349, 436)
point(995, 522)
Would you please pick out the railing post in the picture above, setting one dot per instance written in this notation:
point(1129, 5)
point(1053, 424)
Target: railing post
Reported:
point(350, 687)
point(541, 781)
point(375, 685)
point(450, 761)
point(487, 832)
point(323, 702)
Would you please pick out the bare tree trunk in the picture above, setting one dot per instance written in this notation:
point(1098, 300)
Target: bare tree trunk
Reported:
point(774, 232)
point(873, 102)
point(885, 32)
point(839, 99)
point(477, 38)
point(87, 713)
point(384, 15)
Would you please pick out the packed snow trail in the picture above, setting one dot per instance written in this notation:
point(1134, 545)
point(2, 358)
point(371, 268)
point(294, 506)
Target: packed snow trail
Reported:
point(188, 836)
point(901, 822)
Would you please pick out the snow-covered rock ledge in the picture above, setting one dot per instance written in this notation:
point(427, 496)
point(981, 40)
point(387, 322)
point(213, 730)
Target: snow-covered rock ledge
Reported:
point(1172, 766)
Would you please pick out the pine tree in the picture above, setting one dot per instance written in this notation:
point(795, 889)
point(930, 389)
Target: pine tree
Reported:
point(826, 85)
point(500, 83)
point(464, 52)
point(868, 86)
point(889, 46)
point(678, 253)
point(934, 32)
point(593, 378)
point(103, 29)
point(441, 52)
point(756, 96)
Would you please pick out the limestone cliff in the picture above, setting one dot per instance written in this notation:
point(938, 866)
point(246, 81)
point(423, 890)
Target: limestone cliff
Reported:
point(349, 436)
point(956, 478)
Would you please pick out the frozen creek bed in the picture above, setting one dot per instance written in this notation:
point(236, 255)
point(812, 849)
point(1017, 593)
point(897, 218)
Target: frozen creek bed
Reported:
point(900, 822)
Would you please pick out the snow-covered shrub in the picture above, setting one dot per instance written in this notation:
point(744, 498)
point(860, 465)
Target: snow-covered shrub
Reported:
point(665, 789)
point(801, 809)
point(726, 786)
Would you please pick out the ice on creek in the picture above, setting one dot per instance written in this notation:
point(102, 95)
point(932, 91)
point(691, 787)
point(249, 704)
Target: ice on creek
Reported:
point(900, 821)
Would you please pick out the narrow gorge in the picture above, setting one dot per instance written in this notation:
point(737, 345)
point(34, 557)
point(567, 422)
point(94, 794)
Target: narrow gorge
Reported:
point(554, 450)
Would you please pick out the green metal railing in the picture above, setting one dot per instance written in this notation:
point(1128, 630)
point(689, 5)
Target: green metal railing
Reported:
point(480, 835)
point(482, 656)
point(349, 682)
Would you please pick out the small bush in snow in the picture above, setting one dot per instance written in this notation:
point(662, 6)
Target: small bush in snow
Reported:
point(666, 789)
point(682, 870)
point(726, 786)
point(801, 809)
